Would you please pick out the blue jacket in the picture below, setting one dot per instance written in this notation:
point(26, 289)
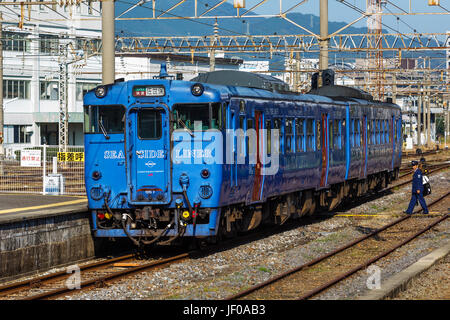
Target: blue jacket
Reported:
point(417, 183)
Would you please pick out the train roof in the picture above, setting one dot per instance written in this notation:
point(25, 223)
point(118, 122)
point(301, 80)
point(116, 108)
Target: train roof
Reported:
point(243, 79)
point(239, 83)
point(227, 84)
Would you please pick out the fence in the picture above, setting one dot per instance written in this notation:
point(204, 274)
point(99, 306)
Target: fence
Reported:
point(42, 169)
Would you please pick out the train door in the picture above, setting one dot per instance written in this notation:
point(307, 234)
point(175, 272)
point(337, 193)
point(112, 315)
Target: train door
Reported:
point(257, 184)
point(392, 137)
point(148, 155)
point(347, 145)
point(234, 148)
point(364, 147)
point(324, 143)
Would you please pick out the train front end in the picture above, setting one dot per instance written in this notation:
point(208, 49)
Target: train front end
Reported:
point(150, 167)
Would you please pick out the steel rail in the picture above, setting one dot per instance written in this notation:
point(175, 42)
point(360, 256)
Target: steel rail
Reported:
point(370, 261)
point(113, 276)
point(333, 253)
point(22, 285)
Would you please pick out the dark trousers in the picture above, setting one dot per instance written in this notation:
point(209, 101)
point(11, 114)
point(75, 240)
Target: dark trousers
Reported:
point(412, 203)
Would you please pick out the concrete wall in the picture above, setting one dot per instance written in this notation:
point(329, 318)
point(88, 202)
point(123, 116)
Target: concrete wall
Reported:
point(44, 243)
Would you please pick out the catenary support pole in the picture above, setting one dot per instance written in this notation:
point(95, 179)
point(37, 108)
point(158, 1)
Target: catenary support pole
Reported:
point(108, 55)
point(323, 58)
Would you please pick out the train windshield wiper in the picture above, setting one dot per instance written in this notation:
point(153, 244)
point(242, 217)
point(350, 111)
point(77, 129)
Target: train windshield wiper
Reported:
point(185, 126)
point(102, 127)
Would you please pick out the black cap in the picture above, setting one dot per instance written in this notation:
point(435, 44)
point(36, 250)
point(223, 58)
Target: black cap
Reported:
point(414, 163)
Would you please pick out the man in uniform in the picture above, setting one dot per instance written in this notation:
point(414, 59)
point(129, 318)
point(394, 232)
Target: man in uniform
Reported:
point(417, 190)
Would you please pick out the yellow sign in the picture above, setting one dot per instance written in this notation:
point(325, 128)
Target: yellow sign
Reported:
point(70, 156)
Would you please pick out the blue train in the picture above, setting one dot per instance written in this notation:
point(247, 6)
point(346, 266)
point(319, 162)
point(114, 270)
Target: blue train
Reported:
point(168, 159)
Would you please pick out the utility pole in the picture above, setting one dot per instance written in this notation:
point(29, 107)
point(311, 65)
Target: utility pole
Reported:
point(2, 151)
point(63, 108)
point(419, 106)
point(424, 111)
point(447, 131)
point(212, 52)
point(108, 48)
point(429, 111)
point(323, 55)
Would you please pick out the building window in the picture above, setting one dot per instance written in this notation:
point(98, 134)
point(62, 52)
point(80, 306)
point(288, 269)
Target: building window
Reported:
point(49, 90)
point(16, 89)
point(17, 134)
point(48, 44)
point(15, 42)
point(83, 88)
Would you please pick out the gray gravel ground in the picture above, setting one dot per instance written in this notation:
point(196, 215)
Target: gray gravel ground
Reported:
point(221, 274)
point(433, 284)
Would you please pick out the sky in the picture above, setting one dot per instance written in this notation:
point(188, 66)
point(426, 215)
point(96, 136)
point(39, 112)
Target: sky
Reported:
point(338, 11)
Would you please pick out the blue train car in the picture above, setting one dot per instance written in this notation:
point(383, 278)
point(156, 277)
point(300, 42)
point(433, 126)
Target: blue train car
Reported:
point(168, 159)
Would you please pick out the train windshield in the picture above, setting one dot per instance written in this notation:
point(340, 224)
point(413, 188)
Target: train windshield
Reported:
point(206, 115)
point(104, 119)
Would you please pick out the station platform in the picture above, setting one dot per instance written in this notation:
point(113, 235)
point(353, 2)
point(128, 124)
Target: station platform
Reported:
point(15, 206)
point(40, 232)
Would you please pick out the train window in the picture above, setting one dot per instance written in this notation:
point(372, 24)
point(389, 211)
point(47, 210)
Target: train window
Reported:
point(310, 135)
point(382, 132)
point(330, 134)
point(352, 132)
point(343, 134)
point(209, 115)
point(388, 131)
point(277, 126)
point(299, 135)
point(336, 134)
point(380, 126)
point(149, 124)
point(104, 119)
point(241, 139)
point(318, 135)
point(224, 113)
point(289, 136)
point(251, 142)
point(268, 135)
point(360, 136)
point(374, 132)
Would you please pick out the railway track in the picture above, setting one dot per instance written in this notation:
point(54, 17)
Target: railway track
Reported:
point(99, 273)
point(316, 276)
point(414, 154)
point(94, 274)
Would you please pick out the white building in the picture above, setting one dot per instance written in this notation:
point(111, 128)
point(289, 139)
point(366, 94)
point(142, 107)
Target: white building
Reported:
point(31, 60)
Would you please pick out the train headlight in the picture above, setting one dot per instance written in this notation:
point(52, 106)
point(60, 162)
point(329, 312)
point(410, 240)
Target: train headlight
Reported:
point(197, 89)
point(185, 215)
point(100, 91)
